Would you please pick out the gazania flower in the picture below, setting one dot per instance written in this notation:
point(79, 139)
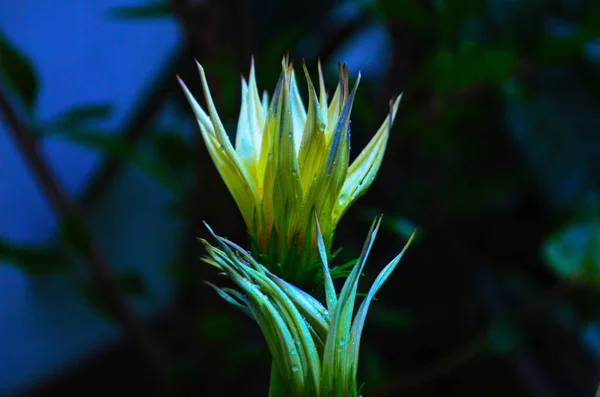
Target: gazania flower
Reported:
point(315, 349)
point(289, 163)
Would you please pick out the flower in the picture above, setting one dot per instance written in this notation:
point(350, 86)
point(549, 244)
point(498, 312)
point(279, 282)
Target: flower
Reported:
point(290, 163)
point(315, 349)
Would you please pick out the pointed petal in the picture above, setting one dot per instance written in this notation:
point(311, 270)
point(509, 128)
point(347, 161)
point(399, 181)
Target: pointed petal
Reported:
point(322, 91)
point(250, 126)
point(282, 186)
point(298, 112)
point(234, 174)
point(313, 150)
point(244, 140)
point(363, 169)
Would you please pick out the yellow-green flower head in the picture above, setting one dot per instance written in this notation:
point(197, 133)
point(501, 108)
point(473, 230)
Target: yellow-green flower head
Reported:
point(291, 162)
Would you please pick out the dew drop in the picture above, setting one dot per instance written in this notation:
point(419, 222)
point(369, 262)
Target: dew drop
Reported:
point(295, 368)
point(342, 343)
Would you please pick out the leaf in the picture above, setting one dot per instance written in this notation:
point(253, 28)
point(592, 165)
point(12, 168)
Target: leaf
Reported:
point(408, 11)
point(133, 284)
point(220, 328)
point(173, 151)
point(111, 144)
point(152, 10)
point(18, 72)
point(79, 116)
point(574, 252)
point(75, 236)
point(503, 338)
point(93, 298)
point(469, 66)
point(34, 259)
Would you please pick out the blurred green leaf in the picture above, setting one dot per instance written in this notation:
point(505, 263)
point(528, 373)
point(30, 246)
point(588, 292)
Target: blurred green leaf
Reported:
point(469, 66)
point(79, 117)
point(220, 327)
point(390, 317)
point(152, 10)
point(34, 259)
point(74, 235)
point(226, 75)
point(110, 144)
point(133, 284)
point(573, 252)
point(560, 49)
point(18, 72)
point(130, 283)
point(408, 11)
point(173, 150)
point(502, 338)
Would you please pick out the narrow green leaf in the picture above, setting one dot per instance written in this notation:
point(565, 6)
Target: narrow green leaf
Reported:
point(361, 315)
point(330, 294)
point(336, 365)
point(234, 299)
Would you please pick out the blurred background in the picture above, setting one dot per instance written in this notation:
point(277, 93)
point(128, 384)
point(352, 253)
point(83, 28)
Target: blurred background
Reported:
point(104, 184)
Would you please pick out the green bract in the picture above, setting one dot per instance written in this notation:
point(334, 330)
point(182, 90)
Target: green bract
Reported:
point(315, 348)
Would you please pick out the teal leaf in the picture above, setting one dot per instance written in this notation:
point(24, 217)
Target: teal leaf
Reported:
point(114, 145)
point(573, 252)
point(18, 72)
point(220, 327)
point(133, 284)
point(34, 259)
point(79, 117)
point(503, 338)
point(361, 315)
point(330, 294)
point(471, 65)
point(152, 10)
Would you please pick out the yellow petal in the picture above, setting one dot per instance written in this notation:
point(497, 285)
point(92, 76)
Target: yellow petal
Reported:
point(364, 168)
point(250, 127)
point(244, 143)
point(313, 149)
point(322, 91)
point(233, 172)
point(298, 112)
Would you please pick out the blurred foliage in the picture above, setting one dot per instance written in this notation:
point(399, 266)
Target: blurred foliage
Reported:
point(17, 72)
point(152, 10)
point(494, 156)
